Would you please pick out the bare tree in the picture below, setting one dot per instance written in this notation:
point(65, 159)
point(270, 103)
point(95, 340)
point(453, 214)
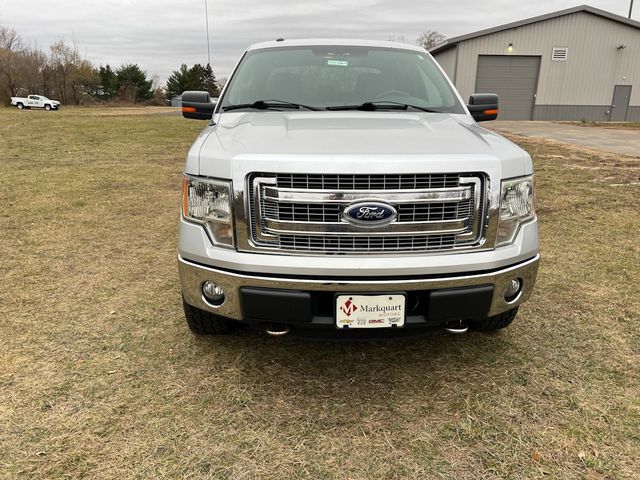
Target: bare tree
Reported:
point(430, 39)
point(63, 60)
point(11, 48)
point(72, 77)
point(32, 68)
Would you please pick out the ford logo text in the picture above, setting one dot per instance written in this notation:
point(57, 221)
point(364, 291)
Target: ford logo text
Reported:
point(369, 214)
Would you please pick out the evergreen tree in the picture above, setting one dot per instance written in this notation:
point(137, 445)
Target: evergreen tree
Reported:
point(133, 84)
point(194, 78)
point(209, 82)
point(179, 81)
point(108, 81)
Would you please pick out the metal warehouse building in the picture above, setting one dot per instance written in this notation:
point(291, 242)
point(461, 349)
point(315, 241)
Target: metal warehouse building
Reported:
point(576, 64)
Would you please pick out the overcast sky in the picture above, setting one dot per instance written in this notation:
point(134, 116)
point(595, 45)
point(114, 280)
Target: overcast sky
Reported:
point(159, 35)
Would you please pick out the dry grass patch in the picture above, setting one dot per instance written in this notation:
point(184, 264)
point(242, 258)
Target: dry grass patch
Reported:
point(99, 377)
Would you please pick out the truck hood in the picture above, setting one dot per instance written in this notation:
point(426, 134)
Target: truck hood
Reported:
point(363, 135)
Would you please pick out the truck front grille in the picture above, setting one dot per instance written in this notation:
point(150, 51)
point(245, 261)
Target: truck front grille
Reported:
point(303, 213)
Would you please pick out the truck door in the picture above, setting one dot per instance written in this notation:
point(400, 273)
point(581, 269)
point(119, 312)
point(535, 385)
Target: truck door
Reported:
point(34, 101)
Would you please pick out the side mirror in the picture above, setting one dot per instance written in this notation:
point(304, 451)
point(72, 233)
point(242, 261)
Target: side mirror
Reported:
point(197, 105)
point(483, 106)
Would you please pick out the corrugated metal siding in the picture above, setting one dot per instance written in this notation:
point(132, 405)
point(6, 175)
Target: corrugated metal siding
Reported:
point(633, 114)
point(593, 113)
point(594, 64)
point(447, 61)
point(596, 113)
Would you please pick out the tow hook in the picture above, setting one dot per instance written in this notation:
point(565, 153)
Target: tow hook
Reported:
point(457, 328)
point(277, 329)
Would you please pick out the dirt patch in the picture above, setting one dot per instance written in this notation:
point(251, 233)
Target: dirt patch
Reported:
point(611, 125)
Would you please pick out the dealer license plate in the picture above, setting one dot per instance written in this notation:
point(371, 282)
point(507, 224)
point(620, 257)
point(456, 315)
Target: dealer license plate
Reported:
point(370, 311)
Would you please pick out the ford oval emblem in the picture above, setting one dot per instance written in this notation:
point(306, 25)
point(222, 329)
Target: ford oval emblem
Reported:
point(369, 214)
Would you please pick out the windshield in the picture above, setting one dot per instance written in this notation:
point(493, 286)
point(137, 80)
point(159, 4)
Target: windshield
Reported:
point(333, 76)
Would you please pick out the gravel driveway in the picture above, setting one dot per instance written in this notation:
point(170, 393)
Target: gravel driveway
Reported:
point(622, 141)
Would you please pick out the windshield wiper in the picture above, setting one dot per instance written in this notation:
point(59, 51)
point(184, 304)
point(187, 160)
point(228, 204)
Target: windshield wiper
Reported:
point(268, 104)
point(382, 105)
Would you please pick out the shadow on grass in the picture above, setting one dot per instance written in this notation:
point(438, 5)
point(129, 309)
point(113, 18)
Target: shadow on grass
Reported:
point(285, 370)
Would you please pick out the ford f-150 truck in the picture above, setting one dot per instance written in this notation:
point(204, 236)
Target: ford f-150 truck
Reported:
point(344, 187)
point(35, 101)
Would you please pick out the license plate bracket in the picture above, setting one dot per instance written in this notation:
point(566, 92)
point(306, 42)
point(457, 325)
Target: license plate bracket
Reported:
point(371, 310)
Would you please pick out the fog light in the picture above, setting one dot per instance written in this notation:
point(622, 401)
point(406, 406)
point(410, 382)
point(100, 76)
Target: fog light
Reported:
point(213, 293)
point(513, 289)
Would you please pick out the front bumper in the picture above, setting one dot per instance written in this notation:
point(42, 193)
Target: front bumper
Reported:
point(425, 291)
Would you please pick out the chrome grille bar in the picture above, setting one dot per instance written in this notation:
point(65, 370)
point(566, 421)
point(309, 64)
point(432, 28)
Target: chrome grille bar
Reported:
point(276, 227)
point(297, 195)
point(384, 181)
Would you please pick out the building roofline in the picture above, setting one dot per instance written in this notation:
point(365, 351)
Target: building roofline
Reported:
point(528, 21)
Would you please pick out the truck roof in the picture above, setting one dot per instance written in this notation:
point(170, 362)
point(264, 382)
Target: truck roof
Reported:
point(305, 42)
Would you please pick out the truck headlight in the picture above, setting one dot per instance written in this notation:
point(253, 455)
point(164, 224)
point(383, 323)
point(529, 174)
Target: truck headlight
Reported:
point(209, 202)
point(516, 207)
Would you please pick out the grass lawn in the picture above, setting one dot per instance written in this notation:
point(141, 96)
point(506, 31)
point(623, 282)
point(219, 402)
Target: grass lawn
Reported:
point(100, 378)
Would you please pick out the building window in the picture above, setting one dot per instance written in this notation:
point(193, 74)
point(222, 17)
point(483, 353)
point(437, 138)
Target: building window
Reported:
point(559, 54)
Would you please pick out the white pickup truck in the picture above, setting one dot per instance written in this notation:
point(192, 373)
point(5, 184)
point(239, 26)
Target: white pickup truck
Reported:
point(343, 188)
point(35, 101)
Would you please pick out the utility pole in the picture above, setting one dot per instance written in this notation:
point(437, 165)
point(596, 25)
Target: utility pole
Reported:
point(206, 16)
point(630, 8)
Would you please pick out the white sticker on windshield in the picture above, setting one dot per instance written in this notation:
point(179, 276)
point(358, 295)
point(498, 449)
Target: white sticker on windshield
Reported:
point(338, 63)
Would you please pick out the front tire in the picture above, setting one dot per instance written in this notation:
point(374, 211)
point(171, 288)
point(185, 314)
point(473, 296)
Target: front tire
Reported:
point(47, 107)
point(201, 322)
point(495, 323)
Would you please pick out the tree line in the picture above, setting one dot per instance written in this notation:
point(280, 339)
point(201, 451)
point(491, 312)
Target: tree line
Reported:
point(62, 73)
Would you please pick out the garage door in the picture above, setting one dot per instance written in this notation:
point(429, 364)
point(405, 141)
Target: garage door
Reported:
point(514, 79)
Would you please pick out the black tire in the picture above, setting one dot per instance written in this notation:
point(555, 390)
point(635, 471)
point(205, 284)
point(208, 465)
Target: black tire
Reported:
point(20, 106)
point(497, 322)
point(47, 107)
point(206, 323)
